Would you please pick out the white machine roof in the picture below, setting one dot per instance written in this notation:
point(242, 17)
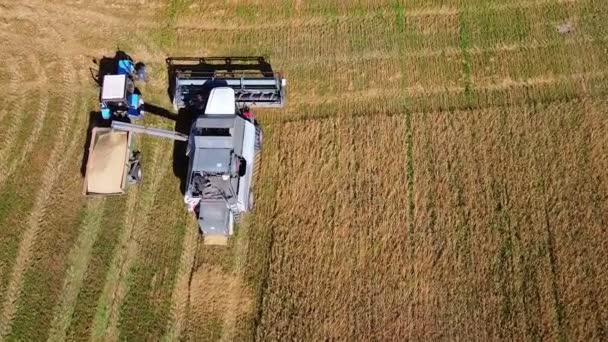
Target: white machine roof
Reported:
point(221, 101)
point(113, 87)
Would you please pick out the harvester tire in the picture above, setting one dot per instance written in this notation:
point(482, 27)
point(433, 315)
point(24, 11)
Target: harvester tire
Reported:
point(251, 200)
point(259, 137)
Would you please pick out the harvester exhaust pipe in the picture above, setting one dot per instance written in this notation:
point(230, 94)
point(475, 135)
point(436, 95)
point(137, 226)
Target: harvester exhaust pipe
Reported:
point(127, 127)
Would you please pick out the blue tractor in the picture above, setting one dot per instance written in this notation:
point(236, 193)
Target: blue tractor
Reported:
point(119, 96)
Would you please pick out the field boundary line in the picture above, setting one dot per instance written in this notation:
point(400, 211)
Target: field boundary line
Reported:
point(78, 262)
point(264, 173)
point(424, 90)
point(105, 324)
point(35, 220)
point(291, 119)
point(507, 83)
point(7, 169)
point(180, 296)
point(450, 51)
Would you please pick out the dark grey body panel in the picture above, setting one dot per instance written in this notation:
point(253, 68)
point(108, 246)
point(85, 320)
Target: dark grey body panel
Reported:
point(213, 162)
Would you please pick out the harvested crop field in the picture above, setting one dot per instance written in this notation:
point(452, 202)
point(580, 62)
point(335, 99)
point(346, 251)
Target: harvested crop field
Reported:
point(438, 173)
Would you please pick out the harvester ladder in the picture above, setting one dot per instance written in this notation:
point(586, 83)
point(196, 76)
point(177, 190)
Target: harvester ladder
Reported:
point(234, 209)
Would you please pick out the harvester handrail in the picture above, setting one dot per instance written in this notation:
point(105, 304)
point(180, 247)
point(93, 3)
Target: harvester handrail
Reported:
point(251, 72)
point(227, 60)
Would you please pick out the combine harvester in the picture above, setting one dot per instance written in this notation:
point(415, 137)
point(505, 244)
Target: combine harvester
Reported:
point(222, 145)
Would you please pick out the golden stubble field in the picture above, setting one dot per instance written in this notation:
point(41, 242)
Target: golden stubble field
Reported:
point(439, 173)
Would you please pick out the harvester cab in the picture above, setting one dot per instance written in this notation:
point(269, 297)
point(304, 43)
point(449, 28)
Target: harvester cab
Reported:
point(119, 95)
point(224, 138)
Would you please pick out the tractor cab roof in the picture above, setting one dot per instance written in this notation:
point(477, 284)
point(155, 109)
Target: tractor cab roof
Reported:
point(114, 88)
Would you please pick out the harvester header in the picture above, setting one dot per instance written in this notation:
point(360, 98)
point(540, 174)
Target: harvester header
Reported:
point(252, 78)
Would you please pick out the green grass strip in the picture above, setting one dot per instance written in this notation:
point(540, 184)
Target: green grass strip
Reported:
point(465, 44)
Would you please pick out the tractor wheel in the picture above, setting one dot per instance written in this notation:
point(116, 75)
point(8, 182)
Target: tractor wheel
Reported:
point(135, 173)
point(141, 74)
